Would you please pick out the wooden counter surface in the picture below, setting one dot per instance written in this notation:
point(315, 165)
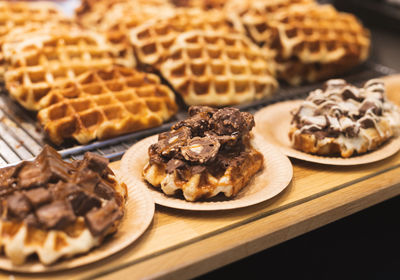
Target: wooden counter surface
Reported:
point(183, 244)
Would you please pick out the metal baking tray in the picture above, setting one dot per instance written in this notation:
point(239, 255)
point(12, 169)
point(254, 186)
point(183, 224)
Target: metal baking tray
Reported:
point(21, 138)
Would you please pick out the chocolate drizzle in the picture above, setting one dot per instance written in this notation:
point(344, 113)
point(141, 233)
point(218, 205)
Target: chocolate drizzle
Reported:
point(207, 140)
point(49, 193)
point(343, 109)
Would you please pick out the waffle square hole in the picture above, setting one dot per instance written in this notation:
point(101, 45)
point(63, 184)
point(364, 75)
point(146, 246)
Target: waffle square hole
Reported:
point(201, 88)
point(260, 88)
point(51, 43)
point(91, 118)
point(106, 75)
point(113, 112)
point(218, 69)
point(32, 61)
point(194, 53)
point(153, 106)
point(115, 86)
point(241, 86)
point(71, 41)
point(39, 93)
point(214, 53)
point(88, 79)
point(179, 71)
point(144, 92)
point(198, 69)
point(104, 100)
point(80, 105)
point(221, 87)
point(149, 48)
point(58, 111)
point(37, 77)
point(238, 69)
point(93, 89)
point(134, 107)
point(144, 34)
point(123, 97)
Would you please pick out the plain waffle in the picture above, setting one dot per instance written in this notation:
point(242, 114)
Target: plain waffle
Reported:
point(152, 39)
point(49, 59)
point(18, 14)
point(105, 103)
point(311, 41)
point(216, 68)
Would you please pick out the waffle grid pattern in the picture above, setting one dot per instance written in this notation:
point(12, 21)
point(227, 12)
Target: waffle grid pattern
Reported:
point(215, 68)
point(106, 103)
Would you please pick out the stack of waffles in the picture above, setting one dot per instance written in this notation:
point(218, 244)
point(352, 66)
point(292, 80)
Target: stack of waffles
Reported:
point(82, 85)
point(214, 52)
point(311, 42)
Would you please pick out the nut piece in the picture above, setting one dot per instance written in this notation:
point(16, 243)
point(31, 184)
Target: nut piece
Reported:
point(201, 149)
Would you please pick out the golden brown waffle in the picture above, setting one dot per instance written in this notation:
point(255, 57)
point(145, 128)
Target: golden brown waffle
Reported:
point(325, 41)
point(256, 15)
point(153, 38)
point(206, 185)
point(19, 14)
point(105, 103)
point(49, 59)
point(312, 42)
point(215, 68)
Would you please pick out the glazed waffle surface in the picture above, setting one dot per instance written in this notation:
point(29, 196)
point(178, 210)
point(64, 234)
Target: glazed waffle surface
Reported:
point(55, 209)
point(50, 59)
point(153, 39)
point(215, 68)
point(101, 104)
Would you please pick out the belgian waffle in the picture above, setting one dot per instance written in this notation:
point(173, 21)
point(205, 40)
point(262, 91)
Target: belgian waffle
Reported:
point(215, 68)
point(153, 38)
point(344, 120)
point(56, 209)
point(19, 14)
point(207, 154)
point(105, 103)
point(50, 59)
point(312, 42)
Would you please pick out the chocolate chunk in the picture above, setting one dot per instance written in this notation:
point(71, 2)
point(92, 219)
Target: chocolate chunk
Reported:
point(201, 149)
point(18, 206)
point(372, 107)
point(169, 143)
point(62, 190)
point(82, 202)
point(228, 121)
point(57, 214)
point(32, 221)
point(31, 175)
point(100, 220)
point(194, 110)
point(352, 131)
point(349, 94)
point(38, 196)
point(7, 178)
point(52, 164)
point(197, 169)
point(104, 191)
point(87, 179)
point(154, 156)
point(95, 162)
point(197, 124)
point(367, 123)
point(174, 164)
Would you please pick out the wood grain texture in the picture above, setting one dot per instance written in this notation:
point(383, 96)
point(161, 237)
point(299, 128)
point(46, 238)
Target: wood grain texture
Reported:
point(182, 244)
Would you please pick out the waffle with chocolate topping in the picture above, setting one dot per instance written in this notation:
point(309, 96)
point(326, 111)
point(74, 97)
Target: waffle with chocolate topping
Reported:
point(56, 209)
point(18, 14)
point(207, 154)
point(216, 68)
point(344, 120)
point(49, 59)
point(154, 38)
point(311, 42)
point(105, 103)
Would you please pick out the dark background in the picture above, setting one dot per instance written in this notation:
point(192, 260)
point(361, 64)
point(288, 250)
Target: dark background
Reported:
point(365, 245)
